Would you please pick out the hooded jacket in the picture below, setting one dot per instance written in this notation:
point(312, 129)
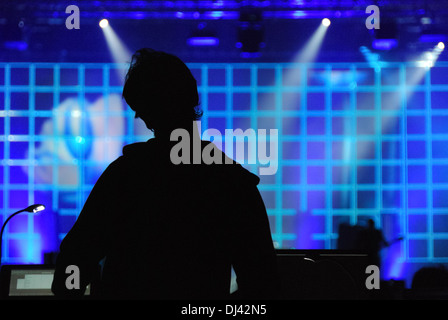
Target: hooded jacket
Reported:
point(165, 231)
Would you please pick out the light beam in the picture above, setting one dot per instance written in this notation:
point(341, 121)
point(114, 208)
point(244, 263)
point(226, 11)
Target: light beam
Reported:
point(120, 53)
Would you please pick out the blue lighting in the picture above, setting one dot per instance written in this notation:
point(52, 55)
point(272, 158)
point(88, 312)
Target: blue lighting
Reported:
point(248, 55)
point(216, 14)
point(80, 140)
point(138, 15)
point(433, 38)
point(203, 41)
point(218, 3)
point(384, 44)
point(345, 151)
point(16, 45)
point(298, 14)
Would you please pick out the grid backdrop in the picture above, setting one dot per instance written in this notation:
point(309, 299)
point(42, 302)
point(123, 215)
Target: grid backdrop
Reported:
point(355, 141)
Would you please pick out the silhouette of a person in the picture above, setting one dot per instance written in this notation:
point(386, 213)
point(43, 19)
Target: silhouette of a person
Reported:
point(371, 241)
point(167, 231)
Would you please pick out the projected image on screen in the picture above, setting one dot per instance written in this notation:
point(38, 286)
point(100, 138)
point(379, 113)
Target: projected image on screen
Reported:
point(355, 142)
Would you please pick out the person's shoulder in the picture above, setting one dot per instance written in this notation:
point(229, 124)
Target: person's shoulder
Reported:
point(130, 153)
point(228, 169)
point(136, 148)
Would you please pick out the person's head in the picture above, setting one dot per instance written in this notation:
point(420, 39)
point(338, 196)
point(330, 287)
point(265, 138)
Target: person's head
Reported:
point(370, 224)
point(161, 90)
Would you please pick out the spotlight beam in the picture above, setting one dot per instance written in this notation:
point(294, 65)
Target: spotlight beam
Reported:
point(309, 52)
point(306, 55)
point(120, 53)
point(412, 80)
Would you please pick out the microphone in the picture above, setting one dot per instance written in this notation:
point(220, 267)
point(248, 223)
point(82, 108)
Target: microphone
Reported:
point(33, 208)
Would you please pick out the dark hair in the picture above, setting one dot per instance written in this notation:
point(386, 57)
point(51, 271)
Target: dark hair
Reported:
point(161, 89)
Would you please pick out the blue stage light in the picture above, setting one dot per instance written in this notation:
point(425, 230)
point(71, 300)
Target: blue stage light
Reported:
point(384, 44)
point(16, 45)
point(203, 41)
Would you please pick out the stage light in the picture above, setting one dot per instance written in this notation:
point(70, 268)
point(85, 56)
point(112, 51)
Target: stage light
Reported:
point(384, 44)
point(104, 23)
point(305, 55)
point(430, 57)
point(75, 113)
point(119, 51)
point(203, 36)
point(311, 48)
point(326, 22)
point(202, 41)
point(80, 140)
